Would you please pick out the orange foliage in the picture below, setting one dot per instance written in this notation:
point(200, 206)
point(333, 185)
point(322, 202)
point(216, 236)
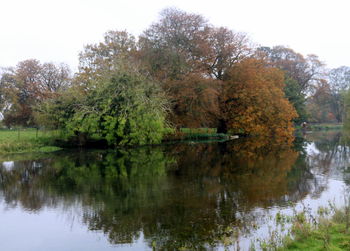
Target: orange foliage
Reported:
point(195, 101)
point(253, 100)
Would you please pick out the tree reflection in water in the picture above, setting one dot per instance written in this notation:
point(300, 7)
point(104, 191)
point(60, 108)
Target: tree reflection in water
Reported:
point(183, 195)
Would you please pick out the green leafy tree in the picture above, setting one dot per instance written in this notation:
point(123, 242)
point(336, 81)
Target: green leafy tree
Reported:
point(123, 108)
point(296, 98)
point(97, 60)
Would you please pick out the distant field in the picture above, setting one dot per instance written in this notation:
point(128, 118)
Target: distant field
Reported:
point(21, 134)
point(26, 140)
point(323, 126)
point(326, 126)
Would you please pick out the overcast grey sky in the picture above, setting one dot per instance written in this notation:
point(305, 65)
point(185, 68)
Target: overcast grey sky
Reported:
point(56, 30)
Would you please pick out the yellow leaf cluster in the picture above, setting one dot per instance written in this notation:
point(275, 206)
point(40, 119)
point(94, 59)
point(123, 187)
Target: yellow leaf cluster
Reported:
point(254, 101)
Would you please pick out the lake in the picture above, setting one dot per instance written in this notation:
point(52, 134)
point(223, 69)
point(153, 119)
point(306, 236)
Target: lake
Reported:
point(194, 195)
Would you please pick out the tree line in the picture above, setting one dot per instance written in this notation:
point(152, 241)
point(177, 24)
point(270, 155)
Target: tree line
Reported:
point(181, 71)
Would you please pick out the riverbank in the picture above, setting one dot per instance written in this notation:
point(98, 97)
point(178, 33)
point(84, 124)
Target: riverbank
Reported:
point(32, 140)
point(326, 229)
point(334, 238)
point(321, 233)
point(185, 134)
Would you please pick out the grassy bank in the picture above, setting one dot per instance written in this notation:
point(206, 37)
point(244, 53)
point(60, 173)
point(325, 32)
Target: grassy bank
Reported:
point(334, 238)
point(325, 233)
point(326, 229)
point(319, 127)
point(27, 140)
point(185, 134)
point(322, 127)
point(32, 140)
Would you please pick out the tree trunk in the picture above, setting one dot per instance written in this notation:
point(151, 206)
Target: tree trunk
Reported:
point(222, 127)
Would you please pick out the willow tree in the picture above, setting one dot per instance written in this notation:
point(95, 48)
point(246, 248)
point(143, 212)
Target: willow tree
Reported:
point(125, 108)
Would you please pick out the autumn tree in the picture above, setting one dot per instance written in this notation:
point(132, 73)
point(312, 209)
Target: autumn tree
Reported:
point(253, 100)
point(304, 70)
point(27, 84)
point(301, 74)
point(323, 104)
point(194, 101)
point(182, 43)
point(54, 77)
point(225, 48)
point(339, 82)
point(189, 57)
point(326, 102)
point(175, 45)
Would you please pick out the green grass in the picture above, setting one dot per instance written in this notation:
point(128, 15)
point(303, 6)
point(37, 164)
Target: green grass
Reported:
point(319, 127)
point(31, 140)
point(201, 133)
point(322, 127)
point(196, 136)
point(27, 140)
point(198, 130)
point(326, 229)
point(329, 229)
point(186, 134)
point(48, 149)
point(334, 238)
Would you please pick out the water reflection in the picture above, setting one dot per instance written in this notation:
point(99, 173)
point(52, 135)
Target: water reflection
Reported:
point(195, 196)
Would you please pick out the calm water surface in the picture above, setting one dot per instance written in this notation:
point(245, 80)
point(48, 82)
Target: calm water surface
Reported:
point(194, 196)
